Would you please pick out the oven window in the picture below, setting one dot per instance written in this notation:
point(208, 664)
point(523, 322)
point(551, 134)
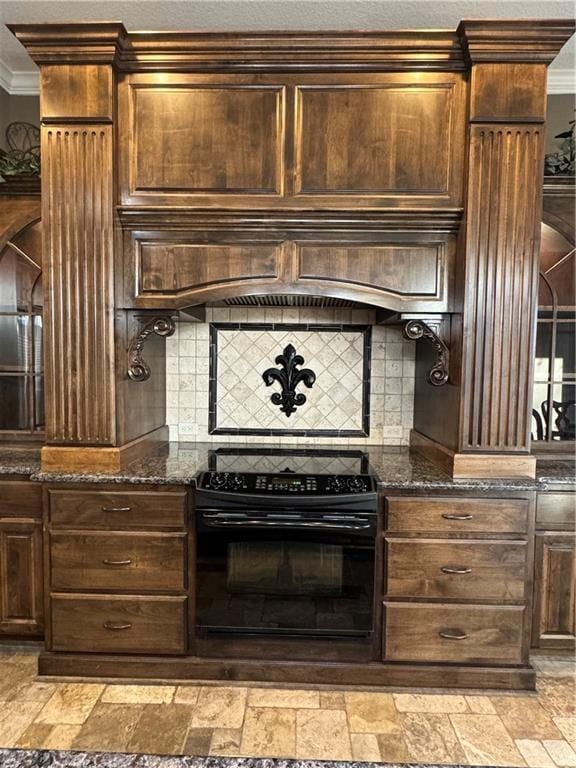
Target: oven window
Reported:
point(274, 585)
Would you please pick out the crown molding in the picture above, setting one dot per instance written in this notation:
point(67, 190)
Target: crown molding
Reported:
point(19, 83)
point(529, 41)
point(88, 42)
point(561, 81)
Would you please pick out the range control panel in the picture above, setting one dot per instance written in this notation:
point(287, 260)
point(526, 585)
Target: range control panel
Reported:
point(287, 484)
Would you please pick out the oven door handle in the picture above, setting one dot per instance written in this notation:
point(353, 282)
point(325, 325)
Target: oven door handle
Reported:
point(243, 520)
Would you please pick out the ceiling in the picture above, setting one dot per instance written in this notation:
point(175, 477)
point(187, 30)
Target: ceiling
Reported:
point(18, 73)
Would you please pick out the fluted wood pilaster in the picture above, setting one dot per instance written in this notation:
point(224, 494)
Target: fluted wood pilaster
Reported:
point(502, 251)
point(77, 198)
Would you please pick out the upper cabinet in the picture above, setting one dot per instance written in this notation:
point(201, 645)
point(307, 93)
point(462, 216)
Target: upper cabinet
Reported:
point(333, 140)
point(275, 182)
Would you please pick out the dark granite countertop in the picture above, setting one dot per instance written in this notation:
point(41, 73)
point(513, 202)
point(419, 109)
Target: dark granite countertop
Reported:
point(19, 461)
point(180, 463)
point(551, 472)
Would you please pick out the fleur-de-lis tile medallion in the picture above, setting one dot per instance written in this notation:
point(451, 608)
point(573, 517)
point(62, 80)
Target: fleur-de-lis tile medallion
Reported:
point(289, 376)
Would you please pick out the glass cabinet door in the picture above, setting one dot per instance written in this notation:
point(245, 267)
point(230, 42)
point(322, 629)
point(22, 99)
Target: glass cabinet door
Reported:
point(554, 392)
point(21, 348)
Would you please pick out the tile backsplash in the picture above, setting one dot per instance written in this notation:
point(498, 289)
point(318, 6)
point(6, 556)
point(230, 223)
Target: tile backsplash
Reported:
point(364, 378)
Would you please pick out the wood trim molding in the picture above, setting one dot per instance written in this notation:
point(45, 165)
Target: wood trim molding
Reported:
point(95, 460)
point(474, 466)
point(518, 40)
point(370, 673)
point(493, 466)
point(362, 51)
point(88, 42)
point(438, 221)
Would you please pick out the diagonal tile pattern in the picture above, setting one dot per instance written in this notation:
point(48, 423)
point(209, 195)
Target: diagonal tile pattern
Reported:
point(523, 730)
point(331, 348)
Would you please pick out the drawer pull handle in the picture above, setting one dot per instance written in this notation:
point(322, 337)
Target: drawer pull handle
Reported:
point(116, 626)
point(459, 571)
point(106, 561)
point(453, 634)
point(116, 509)
point(456, 517)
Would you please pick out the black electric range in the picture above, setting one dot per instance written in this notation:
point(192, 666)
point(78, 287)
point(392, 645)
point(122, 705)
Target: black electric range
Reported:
point(286, 545)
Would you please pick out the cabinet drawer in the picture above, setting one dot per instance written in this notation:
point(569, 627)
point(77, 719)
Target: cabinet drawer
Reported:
point(20, 498)
point(118, 560)
point(461, 569)
point(453, 633)
point(113, 624)
point(463, 515)
point(556, 511)
point(125, 509)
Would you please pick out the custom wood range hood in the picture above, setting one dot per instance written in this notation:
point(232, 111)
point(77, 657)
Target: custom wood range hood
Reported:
point(398, 169)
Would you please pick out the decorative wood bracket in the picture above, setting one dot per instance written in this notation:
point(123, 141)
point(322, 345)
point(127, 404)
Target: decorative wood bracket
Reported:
point(138, 369)
point(438, 374)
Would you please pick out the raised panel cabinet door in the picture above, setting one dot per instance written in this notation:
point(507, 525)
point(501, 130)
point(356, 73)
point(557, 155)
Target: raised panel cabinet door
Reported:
point(395, 274)
point(207, 138)
point(553, 623)
point(385, 136)
point(20, 577)
point(199, 266)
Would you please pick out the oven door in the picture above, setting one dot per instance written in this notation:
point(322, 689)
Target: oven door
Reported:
point(306, 572)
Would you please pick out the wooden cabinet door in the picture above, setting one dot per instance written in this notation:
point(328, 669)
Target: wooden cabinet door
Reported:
point(21, 610)
point(308, 140)
point(554, 590)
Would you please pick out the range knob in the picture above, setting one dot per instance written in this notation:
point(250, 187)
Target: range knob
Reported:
point(235, 482)
point(218, 479)
point(335, 484)
point(356, 484)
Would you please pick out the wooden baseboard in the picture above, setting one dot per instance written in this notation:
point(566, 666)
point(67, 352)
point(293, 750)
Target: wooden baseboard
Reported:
point(311, 673)
point(60, 458)
point(474, 466)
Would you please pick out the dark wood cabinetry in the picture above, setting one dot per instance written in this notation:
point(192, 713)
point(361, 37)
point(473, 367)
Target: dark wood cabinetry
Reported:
point(553, 623)
point(344, 165)
point(118, 576)
point(456, 581)
point(21, 582)
point(478, 634)
point(284, 139)
point(398, 270)
point(452, 594)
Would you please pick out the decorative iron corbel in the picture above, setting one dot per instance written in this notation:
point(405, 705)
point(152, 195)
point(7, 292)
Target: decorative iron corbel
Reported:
point(438, 374)
point(289, 376)
point(138, 369)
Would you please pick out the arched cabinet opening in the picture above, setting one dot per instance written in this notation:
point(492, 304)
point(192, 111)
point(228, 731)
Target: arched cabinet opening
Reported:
point(554, 393)
point(21, 332)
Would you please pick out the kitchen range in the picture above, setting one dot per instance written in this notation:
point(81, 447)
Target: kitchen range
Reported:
point(288, 554)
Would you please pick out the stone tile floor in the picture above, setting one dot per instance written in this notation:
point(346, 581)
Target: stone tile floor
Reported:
point(446, 727)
